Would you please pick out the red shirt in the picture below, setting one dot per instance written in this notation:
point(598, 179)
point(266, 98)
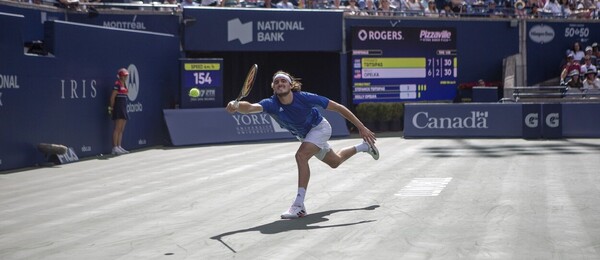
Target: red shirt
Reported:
point(120, 88)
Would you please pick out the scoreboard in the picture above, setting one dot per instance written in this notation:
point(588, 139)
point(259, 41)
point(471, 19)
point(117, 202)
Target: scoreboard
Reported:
point(403, 64)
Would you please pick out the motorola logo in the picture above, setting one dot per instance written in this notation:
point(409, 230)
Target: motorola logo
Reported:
point(133, 82)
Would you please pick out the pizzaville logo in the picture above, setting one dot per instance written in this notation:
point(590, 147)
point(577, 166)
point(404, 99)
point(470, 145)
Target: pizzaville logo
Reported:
point(475, 120)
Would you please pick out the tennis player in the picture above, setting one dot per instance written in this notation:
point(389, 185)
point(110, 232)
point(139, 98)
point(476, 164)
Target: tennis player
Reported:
point(296, 111)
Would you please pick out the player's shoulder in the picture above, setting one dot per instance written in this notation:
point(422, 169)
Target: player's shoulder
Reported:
point(269, 102)
point(306, 94)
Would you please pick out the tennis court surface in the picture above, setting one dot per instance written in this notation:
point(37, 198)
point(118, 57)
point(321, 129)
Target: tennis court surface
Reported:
point(423, 199)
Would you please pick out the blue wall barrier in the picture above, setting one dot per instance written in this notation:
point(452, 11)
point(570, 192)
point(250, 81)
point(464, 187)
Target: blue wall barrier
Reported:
point(162, 22)
point(215, 125)
point(63, 98)
point(581, 120)
point(36, 16)
point(530, 121)
point(34, 21)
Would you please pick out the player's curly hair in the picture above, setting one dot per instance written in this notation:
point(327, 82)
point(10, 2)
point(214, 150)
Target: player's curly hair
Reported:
point(296, 84)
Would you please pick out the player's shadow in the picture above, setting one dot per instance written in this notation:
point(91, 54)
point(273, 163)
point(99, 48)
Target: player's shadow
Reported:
point(305, 223)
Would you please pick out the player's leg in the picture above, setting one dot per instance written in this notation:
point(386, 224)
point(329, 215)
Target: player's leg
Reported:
point(122, 130)
point(118, 135)
point(334, 159)
point(306, 151)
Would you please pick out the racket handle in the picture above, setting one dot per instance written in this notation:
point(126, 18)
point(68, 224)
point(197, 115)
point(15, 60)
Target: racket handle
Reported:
point(236, 104)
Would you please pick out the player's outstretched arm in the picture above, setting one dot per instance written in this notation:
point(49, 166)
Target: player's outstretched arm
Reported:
point(244, 107)
point(364, 132)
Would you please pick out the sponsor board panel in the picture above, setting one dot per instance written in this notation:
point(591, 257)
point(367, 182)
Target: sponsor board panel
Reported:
point(215, 125)
point(462, 120)
point(532, 125)
point(230, 29)
point(580, 120)
point(552, 121)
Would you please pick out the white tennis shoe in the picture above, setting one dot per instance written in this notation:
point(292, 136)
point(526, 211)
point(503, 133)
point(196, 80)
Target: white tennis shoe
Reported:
point(122, 150)
point(118, 150)
point(373, 151)
point(295, 211)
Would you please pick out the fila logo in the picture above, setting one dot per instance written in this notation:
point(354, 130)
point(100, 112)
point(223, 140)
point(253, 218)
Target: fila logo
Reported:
point(236, 30)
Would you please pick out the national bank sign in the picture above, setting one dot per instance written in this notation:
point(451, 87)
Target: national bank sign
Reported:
point(266, 31)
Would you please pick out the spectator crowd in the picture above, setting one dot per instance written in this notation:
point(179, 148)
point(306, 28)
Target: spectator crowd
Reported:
point(579, 70)
point(572, 9)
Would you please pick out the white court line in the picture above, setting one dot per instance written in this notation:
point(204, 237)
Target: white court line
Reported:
point(424, 187)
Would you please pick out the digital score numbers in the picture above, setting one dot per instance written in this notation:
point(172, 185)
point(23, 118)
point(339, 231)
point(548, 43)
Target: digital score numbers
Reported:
point(414, 64)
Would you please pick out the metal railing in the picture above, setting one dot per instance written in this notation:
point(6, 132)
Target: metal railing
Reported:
point(520, 94)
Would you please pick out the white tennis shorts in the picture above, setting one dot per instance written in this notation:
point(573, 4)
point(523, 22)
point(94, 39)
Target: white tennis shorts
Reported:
point(319, 135)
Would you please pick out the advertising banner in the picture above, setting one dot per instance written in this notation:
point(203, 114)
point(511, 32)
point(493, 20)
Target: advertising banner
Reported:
point(207, 76)
point(161, 23)
point(231, 29)
point(580, 120)
point(532, 117)
point(548, 42)
point(462, 120)
point(552, 124)
point(215, 125)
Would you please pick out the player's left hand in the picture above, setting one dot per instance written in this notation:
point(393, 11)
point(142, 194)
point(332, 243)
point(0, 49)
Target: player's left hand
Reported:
point(367, 135)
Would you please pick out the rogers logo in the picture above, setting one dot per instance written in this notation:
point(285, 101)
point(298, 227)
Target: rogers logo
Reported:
point(384, 35)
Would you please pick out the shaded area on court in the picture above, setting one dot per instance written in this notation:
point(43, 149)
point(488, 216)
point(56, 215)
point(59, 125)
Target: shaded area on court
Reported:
point(296, 224)
point(533, 148)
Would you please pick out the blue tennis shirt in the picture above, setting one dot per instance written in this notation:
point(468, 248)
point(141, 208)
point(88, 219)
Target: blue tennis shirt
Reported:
point(298, 117)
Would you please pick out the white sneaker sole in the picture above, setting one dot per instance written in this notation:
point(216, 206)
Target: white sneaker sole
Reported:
point(374, 153)
point(300, 214)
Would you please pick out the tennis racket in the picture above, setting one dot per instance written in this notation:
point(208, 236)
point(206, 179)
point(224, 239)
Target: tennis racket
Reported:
point(248, 83)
